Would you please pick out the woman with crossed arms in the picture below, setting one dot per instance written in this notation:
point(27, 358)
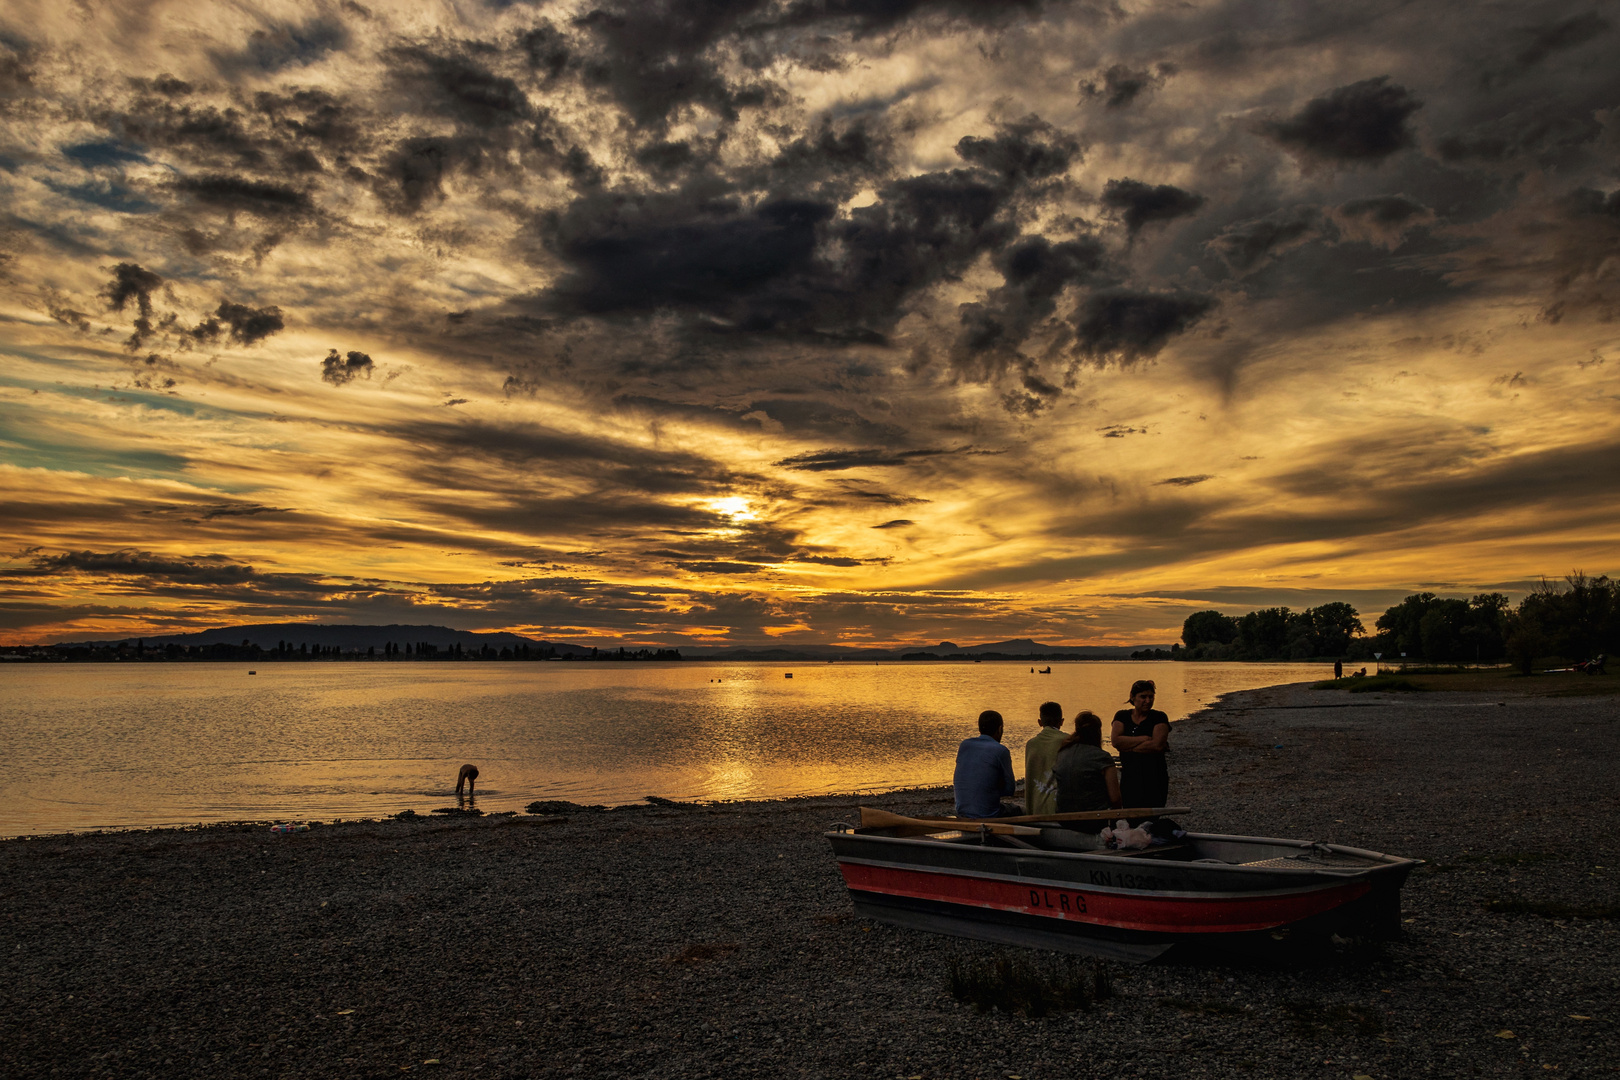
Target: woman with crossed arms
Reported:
point(1141, 737)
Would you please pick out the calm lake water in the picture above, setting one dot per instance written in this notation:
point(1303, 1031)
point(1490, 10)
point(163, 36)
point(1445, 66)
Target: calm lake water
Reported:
point(90, 746)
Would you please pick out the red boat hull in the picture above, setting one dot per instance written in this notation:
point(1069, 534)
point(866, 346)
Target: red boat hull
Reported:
point(1120, 911)
point(1237, 892)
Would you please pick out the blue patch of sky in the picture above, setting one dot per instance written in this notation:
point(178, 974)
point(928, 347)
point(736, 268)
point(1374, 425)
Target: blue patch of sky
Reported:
point(107, 194)
point(30, 449)
point(68, 238)
point(103, 152)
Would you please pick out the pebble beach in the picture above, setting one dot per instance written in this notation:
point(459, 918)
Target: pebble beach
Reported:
point(718, 940)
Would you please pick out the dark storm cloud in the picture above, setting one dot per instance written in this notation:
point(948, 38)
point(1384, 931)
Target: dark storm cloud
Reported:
point(246, 325)
point(1363, 122)
point(282, 44)
point(858, 150)
point(342, 370)
point(1027, 149)
point(1034, 272)
point(897, 523)
point(1121, 85)
point(1555, 131)
point(311, 115)
point(1581, 235)
point(1583, 481)
point(547, 49)
point(528, 449)
point(1584, 202)
point(657, 57)
point(1246, 244)
point(654, 57)
point(878, 16)
point(1537, 43)
point(838, 460)
point(1382, 219)
point(202, 569)
point(761, 268)
point(1139, 203)
point(203, 131)
point(1127, 325)
point(1185, 481)
point(417, 167)
point(132, 282)
point(676, 251)
point(16, 68)
point(459, 87)
point(240, 194)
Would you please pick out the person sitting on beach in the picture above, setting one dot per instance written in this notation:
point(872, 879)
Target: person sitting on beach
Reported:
point(1142, 737)
point(469, 779)
point(1040, 754)
point(984, 773)
point(1085, 776)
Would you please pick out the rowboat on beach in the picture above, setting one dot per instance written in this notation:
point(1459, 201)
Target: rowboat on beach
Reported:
point(1049, 887)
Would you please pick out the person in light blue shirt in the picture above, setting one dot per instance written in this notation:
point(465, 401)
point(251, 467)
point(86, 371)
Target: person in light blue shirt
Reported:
point(984, 773)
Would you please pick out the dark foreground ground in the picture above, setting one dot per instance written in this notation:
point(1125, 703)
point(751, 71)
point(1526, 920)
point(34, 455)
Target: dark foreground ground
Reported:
point(718, 942)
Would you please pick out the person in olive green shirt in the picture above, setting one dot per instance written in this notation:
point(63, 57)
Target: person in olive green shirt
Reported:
point(1040, 755)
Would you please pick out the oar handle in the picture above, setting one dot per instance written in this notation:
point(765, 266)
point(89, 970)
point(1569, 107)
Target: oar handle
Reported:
point(881, 819)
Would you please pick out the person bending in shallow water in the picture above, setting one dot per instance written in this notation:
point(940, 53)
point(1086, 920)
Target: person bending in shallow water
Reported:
point(468, 778)
point(1142, 736)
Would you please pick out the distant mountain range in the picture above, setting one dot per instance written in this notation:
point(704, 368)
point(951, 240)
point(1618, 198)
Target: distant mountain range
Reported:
point(351, 638)
point(346, 637)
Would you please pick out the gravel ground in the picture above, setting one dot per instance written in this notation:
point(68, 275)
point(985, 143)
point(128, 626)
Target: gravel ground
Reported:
point(718, 941)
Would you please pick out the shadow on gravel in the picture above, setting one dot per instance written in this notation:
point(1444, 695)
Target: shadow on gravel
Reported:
point(1289, 953)
point(1552, 909)
point(1034, 986)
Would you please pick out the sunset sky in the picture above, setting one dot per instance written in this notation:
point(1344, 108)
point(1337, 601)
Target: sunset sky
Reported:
point(805, 320)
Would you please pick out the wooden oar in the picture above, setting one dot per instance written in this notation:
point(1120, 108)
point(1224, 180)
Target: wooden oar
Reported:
point(880, 819)
point(910, 826)
point(1105, 815)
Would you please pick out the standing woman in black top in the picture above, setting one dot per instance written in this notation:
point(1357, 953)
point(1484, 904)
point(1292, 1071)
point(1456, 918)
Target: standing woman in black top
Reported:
point(1141, 736)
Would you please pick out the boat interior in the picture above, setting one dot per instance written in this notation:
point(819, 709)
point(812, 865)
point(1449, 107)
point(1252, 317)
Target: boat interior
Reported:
point(1191, 848)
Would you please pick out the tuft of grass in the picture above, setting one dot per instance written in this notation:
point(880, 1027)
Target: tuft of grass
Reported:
point(1205, 1007)
point(1019, 984)
point(1552, 909)
point(1311, 1017)
point(1393, 684)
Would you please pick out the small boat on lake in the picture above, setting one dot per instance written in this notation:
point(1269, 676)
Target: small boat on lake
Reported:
point(1057, 888)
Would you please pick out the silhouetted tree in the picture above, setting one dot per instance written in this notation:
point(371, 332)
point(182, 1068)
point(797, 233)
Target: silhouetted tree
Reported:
point(1202, 627)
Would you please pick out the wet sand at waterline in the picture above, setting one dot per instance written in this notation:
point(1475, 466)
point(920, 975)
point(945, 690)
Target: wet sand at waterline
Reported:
point(718, 941)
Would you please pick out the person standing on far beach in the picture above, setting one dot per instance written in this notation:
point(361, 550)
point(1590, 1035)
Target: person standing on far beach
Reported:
point(1142, 737)
point(1040, 756)
point(468, 778)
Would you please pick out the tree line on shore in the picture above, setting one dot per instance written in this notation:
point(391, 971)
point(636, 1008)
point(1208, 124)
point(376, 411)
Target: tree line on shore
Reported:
point(1571, 620)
